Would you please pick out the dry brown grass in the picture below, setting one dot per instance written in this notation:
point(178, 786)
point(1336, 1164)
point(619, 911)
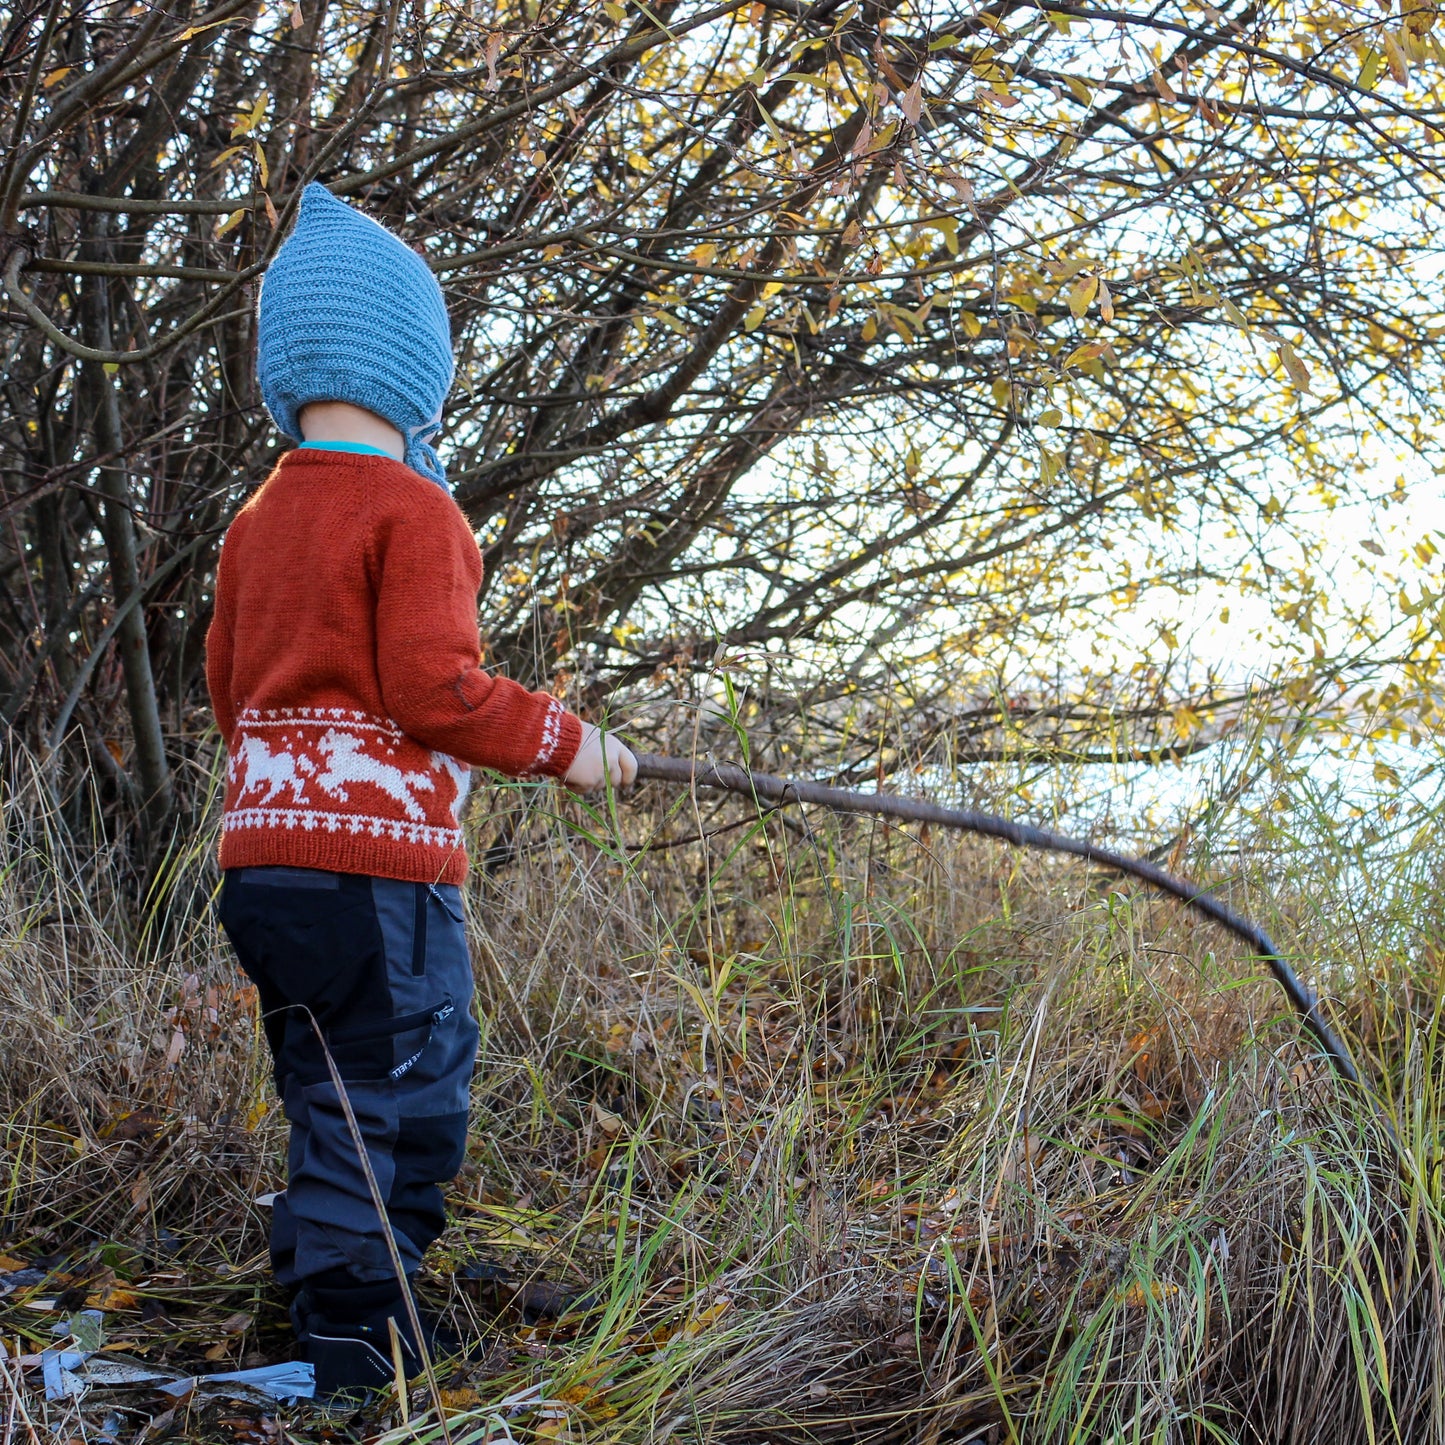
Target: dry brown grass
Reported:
point(860, 1135)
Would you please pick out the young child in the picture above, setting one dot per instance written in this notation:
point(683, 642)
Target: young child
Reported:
point(343, 664)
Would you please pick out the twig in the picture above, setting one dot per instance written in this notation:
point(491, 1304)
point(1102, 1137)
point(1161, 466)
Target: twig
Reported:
point(56, 266)
point(130, 205)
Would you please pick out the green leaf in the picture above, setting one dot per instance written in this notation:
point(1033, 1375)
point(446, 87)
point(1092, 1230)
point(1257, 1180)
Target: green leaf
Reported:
point(1234, 313)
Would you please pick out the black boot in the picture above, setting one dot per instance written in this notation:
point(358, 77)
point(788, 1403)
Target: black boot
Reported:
point(353, 1362)
point(342, 1330)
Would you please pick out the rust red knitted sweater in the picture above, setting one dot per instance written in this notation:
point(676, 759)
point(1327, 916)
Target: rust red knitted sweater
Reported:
point(344, 668)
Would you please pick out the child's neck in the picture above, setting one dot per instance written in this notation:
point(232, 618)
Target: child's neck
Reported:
point(338, 421)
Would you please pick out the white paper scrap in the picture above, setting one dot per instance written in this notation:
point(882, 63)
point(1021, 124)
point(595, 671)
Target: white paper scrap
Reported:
point(290, 1380)
point(62, 1380)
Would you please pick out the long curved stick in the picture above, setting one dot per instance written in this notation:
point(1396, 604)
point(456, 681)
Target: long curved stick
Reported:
point(768, 787)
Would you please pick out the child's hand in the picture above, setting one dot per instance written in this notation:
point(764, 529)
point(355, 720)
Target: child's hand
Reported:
point(599, 759)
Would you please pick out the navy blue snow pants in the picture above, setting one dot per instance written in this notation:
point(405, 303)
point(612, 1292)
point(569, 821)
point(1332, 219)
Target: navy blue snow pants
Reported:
point(382, 967)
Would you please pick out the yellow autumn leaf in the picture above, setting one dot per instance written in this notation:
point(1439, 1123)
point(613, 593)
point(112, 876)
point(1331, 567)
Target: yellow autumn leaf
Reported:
point(467, 1397)
point(1299, 373)
point(1186, 721)
point(705, 1319)
point(1087, 352)
point(113, 1297)
point(1081, 295)
point(883, 138)
point(191, 31)
point(1396, 60)
point(249, 120)
point(1136, 1297)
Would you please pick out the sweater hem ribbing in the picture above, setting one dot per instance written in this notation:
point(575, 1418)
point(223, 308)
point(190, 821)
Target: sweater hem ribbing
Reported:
point(343, 853)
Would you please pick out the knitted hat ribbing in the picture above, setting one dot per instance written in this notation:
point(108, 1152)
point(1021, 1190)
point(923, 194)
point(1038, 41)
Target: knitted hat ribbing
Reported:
point(350, 313)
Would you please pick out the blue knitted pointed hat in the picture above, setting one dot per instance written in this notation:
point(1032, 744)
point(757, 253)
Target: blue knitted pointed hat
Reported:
point(350, 313)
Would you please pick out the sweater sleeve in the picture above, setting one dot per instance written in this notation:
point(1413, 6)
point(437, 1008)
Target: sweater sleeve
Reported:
point(221, 648)
point(427, 571)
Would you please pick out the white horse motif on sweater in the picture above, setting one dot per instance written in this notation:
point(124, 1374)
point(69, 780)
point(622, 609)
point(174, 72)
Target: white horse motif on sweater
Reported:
point(346, 763)
point(275, 772)
point(461, 776)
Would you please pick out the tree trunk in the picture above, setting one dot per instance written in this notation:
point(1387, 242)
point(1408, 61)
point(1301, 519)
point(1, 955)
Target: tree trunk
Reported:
point(152, 771)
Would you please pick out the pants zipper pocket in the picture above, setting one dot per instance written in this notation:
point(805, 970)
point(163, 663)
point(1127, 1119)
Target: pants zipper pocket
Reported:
point(418, 932)
point(370, 1038)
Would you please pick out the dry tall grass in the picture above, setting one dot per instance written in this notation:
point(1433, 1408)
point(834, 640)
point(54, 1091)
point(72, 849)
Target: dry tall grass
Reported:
point(860, 1135)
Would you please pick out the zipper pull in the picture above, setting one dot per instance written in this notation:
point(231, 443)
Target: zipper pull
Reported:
point(446, 907)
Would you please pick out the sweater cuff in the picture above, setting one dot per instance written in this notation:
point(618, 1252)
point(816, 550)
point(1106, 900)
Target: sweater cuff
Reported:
point(561, 738)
